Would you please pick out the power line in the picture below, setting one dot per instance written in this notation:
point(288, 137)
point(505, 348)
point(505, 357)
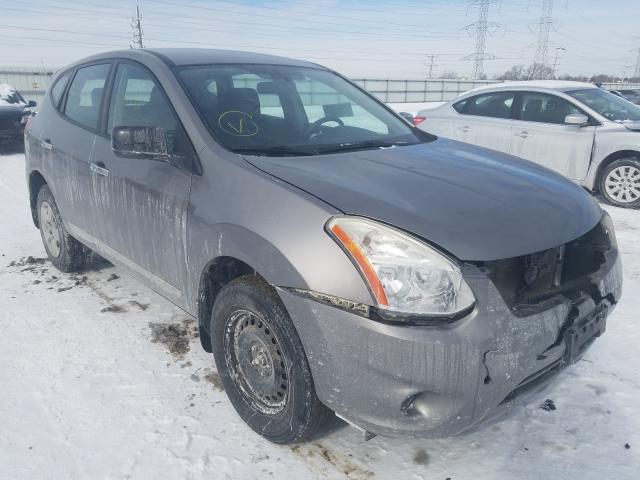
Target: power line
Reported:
point(544, 27)
point(136, 25)
point(480, 29)
point(55, 30)
point(350, 20)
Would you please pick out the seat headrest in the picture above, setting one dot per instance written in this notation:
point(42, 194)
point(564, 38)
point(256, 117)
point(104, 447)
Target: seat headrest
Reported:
point(241, 99)
point(96, 96)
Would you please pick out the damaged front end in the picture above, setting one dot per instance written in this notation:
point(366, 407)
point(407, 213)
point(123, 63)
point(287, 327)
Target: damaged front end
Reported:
point(580, 282)
point(533, 316)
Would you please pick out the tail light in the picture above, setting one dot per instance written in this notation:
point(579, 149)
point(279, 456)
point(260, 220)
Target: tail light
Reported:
point(417, 120)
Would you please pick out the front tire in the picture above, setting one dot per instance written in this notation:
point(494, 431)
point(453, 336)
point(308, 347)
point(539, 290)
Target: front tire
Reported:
point(262, 364)
point(620, 183)
point(64, 251)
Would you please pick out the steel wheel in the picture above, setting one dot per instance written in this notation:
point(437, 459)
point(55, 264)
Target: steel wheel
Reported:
point(262, 363)
point(50, 229)
point(256, 361)
point(622, 184)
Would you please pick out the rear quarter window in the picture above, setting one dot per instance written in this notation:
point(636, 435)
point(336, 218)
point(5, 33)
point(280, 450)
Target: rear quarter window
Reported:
point(58, 88)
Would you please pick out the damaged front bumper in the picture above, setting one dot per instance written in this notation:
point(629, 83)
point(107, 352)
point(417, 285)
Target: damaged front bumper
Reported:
point(440, 381)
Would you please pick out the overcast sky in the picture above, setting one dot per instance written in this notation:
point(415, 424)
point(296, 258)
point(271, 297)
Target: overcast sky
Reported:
point(374, 38)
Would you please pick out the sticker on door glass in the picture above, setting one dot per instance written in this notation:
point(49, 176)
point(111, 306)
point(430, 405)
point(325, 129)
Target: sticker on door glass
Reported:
point(237, 123)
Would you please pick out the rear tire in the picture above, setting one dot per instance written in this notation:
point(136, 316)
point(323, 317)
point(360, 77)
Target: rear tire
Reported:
point(64, 251)
point(262, 364)
point(620, 183)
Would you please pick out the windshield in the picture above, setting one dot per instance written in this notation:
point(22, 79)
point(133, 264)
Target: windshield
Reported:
point(607, 104)
point(278, 110)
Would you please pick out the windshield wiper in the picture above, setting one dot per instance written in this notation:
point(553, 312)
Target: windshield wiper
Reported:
point(345, 147)
point(275, 151)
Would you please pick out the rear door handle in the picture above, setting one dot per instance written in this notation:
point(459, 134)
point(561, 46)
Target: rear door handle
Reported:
point(46, 144)
point(464, 129)
point(99, 168)
point(523, 134)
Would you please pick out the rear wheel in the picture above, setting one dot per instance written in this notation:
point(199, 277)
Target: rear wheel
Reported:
point(64, 251)
point(620, 183)
point(262, 364)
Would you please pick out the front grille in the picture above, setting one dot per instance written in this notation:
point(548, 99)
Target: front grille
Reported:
point(529, 280)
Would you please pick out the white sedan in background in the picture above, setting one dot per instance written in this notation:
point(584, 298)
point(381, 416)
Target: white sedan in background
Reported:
point(575, 128)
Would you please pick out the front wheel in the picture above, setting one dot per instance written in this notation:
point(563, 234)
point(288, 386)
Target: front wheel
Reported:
point(620, 183)
point(262, 364)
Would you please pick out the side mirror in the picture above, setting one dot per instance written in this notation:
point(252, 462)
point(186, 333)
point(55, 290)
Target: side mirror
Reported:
point(32, 104)
point(407, 116)
point(577, 119)
point(140, 142)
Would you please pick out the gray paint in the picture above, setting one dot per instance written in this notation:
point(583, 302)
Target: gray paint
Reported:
point(166, 227)
point(449, 193)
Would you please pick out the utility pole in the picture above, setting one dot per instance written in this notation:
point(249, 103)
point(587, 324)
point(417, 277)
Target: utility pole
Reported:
point(555, 60)
point(637, 70)
point(431, 58)
point(544, 27)
point(136, 25)
point(480, 29)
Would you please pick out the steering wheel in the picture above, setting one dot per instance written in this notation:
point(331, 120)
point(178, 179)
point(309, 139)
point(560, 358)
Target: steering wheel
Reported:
point(318, 123)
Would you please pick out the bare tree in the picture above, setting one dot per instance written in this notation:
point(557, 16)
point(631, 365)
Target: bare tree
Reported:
point(449, 75)
point(539, 71)
point(517, 72)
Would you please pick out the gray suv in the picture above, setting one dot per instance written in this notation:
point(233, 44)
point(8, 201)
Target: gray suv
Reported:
point(336, 258)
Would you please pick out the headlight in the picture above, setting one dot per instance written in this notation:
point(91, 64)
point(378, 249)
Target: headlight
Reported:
point(404, 274)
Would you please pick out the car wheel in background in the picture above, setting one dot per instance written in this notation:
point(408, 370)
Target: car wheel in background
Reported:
point(620, 183)
point(64, 251)
point(262, 364)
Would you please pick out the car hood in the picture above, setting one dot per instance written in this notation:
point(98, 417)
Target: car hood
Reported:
point(475, 203)
point(11, 110)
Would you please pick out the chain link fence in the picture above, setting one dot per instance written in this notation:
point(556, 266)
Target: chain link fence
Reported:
point(32, 83)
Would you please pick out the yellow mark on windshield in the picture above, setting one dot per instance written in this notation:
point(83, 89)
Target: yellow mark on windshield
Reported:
point(237, 123)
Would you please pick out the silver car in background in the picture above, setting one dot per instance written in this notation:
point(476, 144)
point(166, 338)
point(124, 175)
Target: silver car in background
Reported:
point(577, 129)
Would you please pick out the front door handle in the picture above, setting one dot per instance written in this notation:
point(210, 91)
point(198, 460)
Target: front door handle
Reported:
point(464, 129)
point(46, 144)
point(523, 134)
point(99, 168)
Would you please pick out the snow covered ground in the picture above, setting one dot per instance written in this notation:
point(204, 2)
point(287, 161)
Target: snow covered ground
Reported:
point(103, 379)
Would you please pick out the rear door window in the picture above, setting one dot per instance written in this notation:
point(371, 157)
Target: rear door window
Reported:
point(85, 95)
point(494, 105)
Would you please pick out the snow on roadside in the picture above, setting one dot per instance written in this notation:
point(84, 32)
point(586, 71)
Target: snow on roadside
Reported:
point(102, 378)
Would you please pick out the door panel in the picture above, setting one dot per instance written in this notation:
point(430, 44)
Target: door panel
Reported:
point(68, 144)
point(488, 132)
point(143, 202)
point(485, 120)
point(541, 136)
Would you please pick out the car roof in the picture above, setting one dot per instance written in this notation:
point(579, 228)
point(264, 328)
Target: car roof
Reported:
point(540, 85)
point(201, 56)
